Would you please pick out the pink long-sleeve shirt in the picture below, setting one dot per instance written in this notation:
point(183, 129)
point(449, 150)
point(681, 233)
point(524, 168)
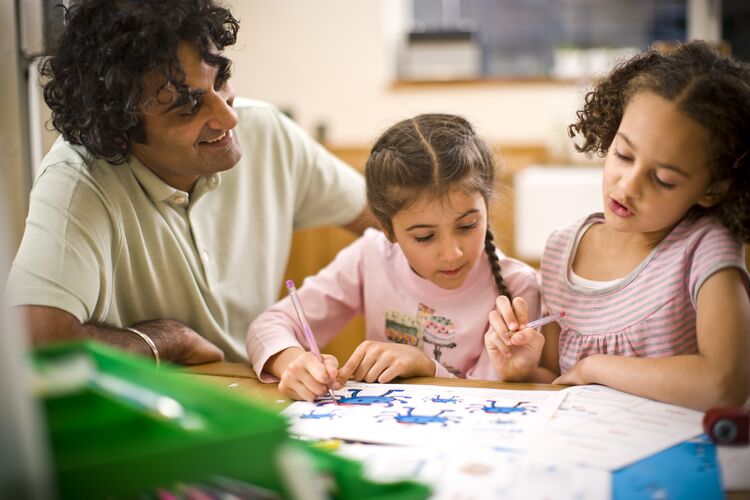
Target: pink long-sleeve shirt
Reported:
point(372, 276)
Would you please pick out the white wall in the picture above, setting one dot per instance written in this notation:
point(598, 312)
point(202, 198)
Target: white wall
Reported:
point(13, 159)
point(334, 61)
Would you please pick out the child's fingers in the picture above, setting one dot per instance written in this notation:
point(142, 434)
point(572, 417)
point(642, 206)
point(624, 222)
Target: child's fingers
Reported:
point(286, 392)
point(331, 365)
point(523, 337)
point(371, 352)
point(504, 307)
point(346, 371)
point(497, 324)
point(358, 363)
point(494, 340)
point(312, 374)
point(318, 371)
point(295, 389)
point(364, 366)
point(378, 367)
point(330, 361)
point(389, 374)
point(521, 310)
point(314, 385)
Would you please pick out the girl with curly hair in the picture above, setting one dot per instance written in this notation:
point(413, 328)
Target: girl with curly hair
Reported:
point(424, 284)
point(655, 288)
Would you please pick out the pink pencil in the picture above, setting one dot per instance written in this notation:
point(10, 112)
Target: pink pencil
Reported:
point(541, 322)
point(306, 327)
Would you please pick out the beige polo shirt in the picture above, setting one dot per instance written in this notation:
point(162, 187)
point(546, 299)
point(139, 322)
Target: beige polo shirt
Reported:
point(114, 244)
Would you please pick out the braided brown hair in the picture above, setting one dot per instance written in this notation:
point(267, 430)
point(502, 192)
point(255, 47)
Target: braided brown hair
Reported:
point(711, 89)
point(489, 248)
point(429, 155)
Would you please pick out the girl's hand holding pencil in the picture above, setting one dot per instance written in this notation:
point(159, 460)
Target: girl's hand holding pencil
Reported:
point(514, 351)
point(307, 374)
point(306, 377)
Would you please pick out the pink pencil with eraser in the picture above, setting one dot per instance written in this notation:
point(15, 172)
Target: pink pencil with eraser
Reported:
point(541, 322)
point(312, 344)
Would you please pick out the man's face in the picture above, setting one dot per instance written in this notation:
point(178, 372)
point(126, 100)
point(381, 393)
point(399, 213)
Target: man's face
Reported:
point(188, 136)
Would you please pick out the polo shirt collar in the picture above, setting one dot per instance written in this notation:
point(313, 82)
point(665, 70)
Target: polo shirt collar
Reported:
point(157, 189)
point(205, 184)
point(160, 191)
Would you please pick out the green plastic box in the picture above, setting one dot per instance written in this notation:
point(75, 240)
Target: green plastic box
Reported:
point(118, 427)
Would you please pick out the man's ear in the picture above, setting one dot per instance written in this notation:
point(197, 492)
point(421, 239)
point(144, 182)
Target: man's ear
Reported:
point(714, 193)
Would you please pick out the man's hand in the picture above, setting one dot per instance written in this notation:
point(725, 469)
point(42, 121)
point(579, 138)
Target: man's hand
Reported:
point(179, 343)
point(175, 342)
point(383, 361)
point(515, 356)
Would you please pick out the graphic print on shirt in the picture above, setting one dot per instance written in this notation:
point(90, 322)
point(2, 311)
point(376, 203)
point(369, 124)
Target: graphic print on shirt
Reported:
point(426, 328)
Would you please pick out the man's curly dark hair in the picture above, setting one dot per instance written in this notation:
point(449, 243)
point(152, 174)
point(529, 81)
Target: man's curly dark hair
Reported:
point(94, 76)
point(712, 89)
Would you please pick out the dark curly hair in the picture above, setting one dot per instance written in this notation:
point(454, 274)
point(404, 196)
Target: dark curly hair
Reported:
point(94, 76)
point(712, 89)
point(429, 155)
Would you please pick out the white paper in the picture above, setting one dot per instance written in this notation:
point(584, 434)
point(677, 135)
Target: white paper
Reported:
point(457, 474)
point(426, 415)
point(735, 464)
point(600, 427)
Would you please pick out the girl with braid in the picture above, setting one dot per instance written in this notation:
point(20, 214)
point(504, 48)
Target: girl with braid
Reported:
point(655, 289)
point(425, 282)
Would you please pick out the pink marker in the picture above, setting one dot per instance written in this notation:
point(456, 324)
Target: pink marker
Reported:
point(311, 343)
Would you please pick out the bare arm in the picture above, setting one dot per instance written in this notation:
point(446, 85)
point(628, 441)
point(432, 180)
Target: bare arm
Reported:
point(549, 366)
point(176, 342)
point(719, 375)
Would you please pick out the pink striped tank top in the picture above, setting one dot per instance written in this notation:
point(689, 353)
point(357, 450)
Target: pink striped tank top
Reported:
point(650, 312)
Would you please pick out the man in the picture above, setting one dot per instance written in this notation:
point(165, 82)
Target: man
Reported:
point(161, 221)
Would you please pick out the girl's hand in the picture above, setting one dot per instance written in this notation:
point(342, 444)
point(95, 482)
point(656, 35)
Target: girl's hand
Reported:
point(516, 356)
point(306, 377)
point(383, 361)
point(577, 375)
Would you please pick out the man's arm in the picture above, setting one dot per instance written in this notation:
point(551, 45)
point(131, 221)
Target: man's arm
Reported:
point(364, 220)
point(174, 341)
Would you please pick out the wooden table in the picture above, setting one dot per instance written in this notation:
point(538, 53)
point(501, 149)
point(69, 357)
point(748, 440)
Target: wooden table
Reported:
point(241, 378)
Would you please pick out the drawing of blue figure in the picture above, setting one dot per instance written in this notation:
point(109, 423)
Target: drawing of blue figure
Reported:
point(355, 399)
point(318, 416)
point(505, 410)
point(410, 418)
point(438, 399)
